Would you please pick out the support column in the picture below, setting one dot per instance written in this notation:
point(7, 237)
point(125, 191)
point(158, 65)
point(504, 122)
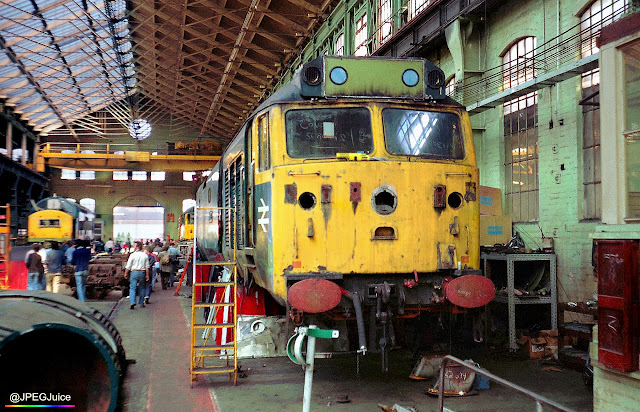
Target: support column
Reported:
point(36, 150)
point(9, 141)
point(23, 158)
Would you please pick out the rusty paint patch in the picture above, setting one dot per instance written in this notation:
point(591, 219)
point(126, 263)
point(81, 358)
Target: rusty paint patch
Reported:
point(470, 195)
point(291, 194)
point(296, 264)
point(325, 192)
point(355, 195)
point(439, 196)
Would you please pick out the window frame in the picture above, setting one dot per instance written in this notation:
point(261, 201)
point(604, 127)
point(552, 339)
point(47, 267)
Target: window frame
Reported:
point(360, 35)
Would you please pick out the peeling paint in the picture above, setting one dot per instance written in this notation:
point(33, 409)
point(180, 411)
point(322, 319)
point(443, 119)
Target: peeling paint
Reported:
point(291, 194)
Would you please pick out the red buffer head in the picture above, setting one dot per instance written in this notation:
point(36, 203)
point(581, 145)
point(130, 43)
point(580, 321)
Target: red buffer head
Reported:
point(314, 295)
point(470, 291)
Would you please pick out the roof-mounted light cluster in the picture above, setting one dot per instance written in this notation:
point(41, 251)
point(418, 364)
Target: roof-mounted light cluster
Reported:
point(338, 76)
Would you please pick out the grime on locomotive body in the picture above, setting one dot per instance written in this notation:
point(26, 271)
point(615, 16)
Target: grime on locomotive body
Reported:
point(59, 219)
point(356, 179)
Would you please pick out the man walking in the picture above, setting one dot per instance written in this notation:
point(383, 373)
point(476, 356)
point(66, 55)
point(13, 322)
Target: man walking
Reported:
point(35, 269)
point(152, 262)
point(55, 260)
point(80, 259)
point(174, 254)
point(138, 269)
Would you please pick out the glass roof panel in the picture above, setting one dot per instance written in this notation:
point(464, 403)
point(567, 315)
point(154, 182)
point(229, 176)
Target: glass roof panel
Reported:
point(15, 10)
point(70, 69)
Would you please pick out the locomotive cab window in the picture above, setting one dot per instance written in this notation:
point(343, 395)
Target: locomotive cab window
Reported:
point(423, 133)
point(49, 223)
point(322, 133)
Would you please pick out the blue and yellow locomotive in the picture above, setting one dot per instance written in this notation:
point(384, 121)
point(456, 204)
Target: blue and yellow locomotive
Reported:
point(357, 179)
point(59, 219)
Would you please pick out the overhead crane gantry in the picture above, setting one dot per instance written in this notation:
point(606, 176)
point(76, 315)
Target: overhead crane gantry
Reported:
point(107, 158)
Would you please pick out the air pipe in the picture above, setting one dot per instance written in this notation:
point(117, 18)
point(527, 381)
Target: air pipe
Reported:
point(359, 319)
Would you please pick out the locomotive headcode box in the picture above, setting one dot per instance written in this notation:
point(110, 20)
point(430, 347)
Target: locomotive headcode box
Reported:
point(494, 229)
point(490, 201)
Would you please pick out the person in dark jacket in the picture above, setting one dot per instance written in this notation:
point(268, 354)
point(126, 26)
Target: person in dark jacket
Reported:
point(55, 260)
point(35, 269)
point(80, 259)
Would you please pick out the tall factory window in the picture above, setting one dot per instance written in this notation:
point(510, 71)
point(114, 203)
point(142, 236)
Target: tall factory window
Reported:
point(416, 6)
point(360, 41)
point(157, 176)
point(139, 175)
point(187, 204)
point(339, 49)
point(120, 175)
point(592, 20)
point(631, 53)
point(450, 87)
point(385, 22)
point(87, 175)
point(89, 203)
point(68, 174)
point(521, 134)
point(16, 154)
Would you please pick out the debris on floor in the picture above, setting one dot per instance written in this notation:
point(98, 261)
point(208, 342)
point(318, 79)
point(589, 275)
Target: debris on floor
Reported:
point(397, 408)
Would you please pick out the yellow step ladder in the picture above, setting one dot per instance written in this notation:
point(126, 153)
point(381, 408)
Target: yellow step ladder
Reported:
point(214, 343)
point(5, 246)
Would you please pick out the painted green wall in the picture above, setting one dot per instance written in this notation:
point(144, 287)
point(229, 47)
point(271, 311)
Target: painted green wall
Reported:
point(560, 147)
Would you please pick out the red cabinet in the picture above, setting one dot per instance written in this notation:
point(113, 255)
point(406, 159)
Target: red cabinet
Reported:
point(618, 296)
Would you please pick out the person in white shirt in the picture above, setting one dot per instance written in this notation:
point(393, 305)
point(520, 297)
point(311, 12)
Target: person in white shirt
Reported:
point(108, 247)
point(137, 270)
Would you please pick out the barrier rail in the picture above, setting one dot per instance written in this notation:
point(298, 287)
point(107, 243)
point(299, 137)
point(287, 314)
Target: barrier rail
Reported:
point(539, 399)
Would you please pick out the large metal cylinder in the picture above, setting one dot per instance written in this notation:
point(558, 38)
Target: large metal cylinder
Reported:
point(54, 344)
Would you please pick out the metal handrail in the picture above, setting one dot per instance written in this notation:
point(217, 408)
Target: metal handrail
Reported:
point(539, 399)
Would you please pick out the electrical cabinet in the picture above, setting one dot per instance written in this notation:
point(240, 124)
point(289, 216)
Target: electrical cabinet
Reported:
point(618, 298)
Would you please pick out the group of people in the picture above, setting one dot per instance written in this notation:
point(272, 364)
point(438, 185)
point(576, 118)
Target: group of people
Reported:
point(45, 262)
point(143, 267)
point(44, 265)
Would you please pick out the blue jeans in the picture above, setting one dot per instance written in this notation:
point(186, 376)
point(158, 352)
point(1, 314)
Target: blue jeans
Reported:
point(81, 284)
point(34, 281)
point(136, 285)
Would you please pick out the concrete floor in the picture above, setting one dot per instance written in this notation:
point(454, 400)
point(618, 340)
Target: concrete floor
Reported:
point(156, 338)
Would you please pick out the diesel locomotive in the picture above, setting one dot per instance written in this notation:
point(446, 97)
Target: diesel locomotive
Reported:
point(352, 188)
point(59, 219)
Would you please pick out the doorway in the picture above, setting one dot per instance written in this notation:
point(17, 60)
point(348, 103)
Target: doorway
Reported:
point(131, 223)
